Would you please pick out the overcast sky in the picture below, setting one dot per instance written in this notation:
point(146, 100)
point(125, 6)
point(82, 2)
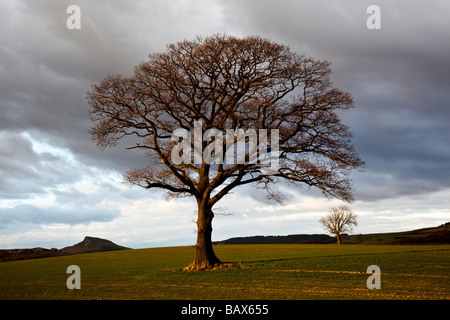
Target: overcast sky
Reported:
point(56, 186)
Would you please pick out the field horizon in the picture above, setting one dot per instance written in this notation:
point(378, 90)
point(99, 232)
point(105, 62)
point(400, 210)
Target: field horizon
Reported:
point(423, 236)
point(265, 272)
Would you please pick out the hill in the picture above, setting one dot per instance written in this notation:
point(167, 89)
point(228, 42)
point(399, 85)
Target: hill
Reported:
point(289, 239)
point(433, 235)
point(92, 244)
point(89, 244)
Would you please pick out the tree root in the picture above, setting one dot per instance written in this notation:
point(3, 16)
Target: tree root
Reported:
point(216, 266)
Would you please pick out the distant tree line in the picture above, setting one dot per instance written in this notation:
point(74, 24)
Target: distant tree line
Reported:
point(24, 254)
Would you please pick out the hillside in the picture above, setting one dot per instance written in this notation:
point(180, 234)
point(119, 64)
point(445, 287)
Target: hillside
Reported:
point(424, 236)
point(434, 235)
point(89, 244)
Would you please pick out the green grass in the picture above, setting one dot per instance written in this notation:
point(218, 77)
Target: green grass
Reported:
point(268, 272)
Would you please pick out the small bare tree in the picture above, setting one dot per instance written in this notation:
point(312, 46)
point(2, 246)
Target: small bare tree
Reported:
point(340, 220)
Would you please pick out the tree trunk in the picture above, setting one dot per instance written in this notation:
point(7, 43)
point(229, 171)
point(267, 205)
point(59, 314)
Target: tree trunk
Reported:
point(205, 258)
point(338, 237)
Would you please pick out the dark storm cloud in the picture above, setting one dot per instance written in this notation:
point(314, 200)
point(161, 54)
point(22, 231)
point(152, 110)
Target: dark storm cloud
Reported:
point(399, 77)
point(47, 68)
point(47, 73)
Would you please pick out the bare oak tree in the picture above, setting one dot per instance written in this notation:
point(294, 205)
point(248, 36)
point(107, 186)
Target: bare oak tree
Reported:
point(339, 221)
point(224, 82)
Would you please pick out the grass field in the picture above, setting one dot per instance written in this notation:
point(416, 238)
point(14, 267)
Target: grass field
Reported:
point(268, 272)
